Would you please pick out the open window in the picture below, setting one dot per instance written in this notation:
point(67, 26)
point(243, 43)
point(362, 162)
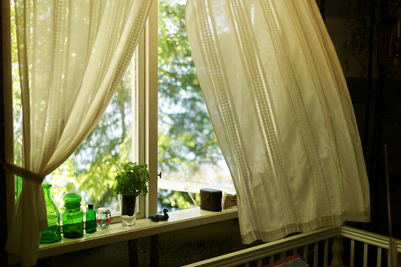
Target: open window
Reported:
point(157, 116)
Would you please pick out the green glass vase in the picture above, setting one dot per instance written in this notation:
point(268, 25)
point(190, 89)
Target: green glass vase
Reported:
point(73, 216)
point(52, 233)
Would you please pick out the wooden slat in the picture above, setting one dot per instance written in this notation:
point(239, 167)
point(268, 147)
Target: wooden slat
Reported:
point(326, 252)
point(379, 257)
point(352, 260)
point(271, 260)
point(365, 255)
point(282, 255)
point(259, 263)
point(306, 253)
point(316, 255)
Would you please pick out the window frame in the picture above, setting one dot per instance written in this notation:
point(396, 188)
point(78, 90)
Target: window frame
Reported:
point(149, 110)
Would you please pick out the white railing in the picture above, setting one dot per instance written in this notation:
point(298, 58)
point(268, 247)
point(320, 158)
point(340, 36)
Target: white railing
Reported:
point(314, 247)
point(366, 242)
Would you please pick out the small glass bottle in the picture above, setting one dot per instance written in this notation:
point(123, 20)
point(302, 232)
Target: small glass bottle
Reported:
point(52, 233)
point(73, 216)
point(90, 219)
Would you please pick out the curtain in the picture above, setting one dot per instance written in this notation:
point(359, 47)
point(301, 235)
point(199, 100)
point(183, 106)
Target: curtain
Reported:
point(72, 55)
point(281, 110)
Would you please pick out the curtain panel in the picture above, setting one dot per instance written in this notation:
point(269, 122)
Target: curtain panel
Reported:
point(72, 55)
point(281, 110)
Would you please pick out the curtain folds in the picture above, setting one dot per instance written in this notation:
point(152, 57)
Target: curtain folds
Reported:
point(282, 113)
point(72, 56)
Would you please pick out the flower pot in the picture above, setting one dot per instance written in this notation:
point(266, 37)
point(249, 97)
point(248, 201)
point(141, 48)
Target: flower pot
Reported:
point(128, 210)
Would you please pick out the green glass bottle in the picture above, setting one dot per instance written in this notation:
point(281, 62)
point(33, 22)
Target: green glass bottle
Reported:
point(52, 233)
point(73, 216)
point(18, 184)
point(90, 219)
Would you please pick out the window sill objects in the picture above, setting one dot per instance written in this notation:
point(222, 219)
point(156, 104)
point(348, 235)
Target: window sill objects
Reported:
point(144, 227)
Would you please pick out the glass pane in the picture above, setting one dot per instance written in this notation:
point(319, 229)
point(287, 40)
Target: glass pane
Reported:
point(188, 148)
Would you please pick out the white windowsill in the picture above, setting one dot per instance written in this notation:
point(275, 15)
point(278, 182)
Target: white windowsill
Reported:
point(144, 227)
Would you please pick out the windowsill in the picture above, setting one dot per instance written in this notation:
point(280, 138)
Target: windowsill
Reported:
point(144, 227)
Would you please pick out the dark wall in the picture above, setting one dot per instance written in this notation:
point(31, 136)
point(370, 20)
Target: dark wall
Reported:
point(175, 248)
point(3, 204)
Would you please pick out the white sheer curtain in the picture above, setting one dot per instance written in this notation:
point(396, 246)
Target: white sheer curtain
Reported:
point(282, 113)
point(72, 56)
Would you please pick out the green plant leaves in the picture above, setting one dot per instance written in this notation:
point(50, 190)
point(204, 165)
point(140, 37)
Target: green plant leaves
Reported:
point(131, 178)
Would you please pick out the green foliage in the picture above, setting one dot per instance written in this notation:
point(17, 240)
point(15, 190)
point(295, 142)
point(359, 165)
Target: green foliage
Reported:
point(186, 137)
point(17, 101)
point(176, 200)
point(131, 178)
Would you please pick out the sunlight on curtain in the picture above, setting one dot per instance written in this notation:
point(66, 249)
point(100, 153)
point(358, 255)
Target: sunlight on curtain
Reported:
point(282, 113)
point(72, 56)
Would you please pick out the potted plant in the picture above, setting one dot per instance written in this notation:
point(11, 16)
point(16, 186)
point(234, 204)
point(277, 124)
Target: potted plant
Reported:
point(132, 179)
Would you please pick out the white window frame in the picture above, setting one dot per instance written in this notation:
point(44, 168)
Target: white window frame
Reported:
point(146, 111)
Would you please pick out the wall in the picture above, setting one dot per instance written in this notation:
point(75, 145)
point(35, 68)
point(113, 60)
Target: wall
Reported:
point(175, 248)
point(3, 210)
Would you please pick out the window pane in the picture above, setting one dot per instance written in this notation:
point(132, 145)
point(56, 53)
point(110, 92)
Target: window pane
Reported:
point(188, 148)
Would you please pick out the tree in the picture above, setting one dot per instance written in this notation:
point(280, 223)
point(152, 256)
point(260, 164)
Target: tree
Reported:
point(186, 136)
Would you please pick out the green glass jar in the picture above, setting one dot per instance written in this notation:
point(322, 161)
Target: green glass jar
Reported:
point(52, 233)
point(90, 219)
point(73, 216)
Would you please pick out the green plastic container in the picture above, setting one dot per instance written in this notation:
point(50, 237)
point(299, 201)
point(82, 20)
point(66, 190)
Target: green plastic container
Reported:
point(52, 233)
point(73, 216)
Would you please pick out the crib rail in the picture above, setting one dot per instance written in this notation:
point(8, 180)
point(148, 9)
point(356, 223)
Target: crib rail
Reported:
point(375, 247)
point(280, 247)
point(361, 247)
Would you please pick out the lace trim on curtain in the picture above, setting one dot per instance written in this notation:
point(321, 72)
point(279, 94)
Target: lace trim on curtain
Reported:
point(24, 173)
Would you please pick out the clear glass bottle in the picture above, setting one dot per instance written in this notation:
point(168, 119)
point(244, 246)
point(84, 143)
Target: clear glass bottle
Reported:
point(52, 233)
point(90, 219)
point(73, 216)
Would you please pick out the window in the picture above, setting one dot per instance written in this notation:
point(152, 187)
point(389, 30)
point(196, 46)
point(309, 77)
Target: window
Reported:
point(87, 171)
point(189, 154)
point(157, 115)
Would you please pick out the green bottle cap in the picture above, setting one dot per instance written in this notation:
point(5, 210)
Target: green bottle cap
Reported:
point(72, 199)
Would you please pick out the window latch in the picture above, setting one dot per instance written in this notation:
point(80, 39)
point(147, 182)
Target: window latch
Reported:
point(160, 175)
